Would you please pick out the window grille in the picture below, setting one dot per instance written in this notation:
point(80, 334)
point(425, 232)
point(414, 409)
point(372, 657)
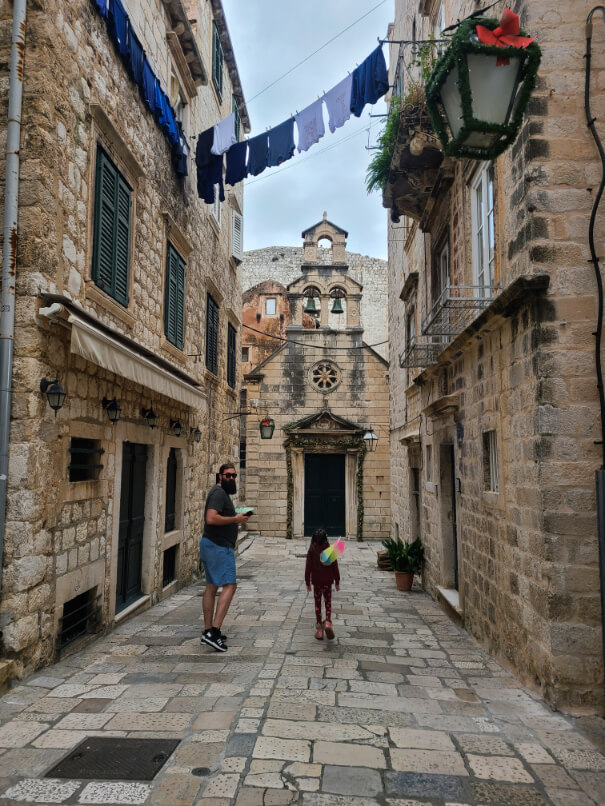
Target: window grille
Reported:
point(169, 566)
point(84, 455)
point(491, 470)
point(81, 615)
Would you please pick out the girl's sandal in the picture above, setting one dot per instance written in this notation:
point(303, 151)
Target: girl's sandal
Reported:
point(329, 630)
point(319, 632)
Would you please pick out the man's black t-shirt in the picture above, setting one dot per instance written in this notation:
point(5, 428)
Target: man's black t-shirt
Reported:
point(222, 503)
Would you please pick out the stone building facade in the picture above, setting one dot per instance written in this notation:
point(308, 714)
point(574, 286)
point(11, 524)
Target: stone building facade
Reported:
point(104, 519)
point(325, 389)
point(494, 407)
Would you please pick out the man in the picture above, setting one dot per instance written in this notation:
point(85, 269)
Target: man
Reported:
point(217, 550)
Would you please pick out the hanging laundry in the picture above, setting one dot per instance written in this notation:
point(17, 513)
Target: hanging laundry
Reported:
point(281, 143)
point(180, 152)
point(119, 24)
point(149, 82)
point(236, 163)
point(338, 101)
point(209, 168)
point(310, 124)
point(224, 135)
point(258, 154)
point(136, 58)
point(165, 114)
point(102, 6)
point(370, 81)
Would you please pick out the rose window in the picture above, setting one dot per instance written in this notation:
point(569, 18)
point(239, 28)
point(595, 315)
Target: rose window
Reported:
point(325, 376)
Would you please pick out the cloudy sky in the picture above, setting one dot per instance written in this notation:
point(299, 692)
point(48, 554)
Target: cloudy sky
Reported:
point(269, 38)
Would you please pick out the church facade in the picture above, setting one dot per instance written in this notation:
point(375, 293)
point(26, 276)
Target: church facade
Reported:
point(327, 463)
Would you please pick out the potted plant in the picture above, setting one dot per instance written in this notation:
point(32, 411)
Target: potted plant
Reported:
point(407, 559)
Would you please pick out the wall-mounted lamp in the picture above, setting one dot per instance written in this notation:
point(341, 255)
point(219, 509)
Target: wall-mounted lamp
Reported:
point(371, 439)
point(150, 417)
point(267, 427)
point(54, 392)
point(176, 427)
point(112, 407)
point(195, 433)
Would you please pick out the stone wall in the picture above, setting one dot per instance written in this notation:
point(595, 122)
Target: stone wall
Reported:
point(527, 554)
point(282, 264)
point(62, 536)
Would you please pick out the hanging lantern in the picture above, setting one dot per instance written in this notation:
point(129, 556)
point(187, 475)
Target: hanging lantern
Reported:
point(370, 439)
point(55, 394)
point(480, 87)
point(267, 427)
point(113, 409)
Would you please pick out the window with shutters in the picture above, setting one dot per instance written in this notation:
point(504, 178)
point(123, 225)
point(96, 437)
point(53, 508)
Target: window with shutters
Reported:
point(111, 239)
point(217, 62)
point(231, 339)
point(171, 476)
point(238, 120)
point(237, 233)
point(174, 298)
point(212, 334)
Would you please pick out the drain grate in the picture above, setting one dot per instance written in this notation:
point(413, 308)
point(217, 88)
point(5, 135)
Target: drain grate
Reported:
point(115, 759)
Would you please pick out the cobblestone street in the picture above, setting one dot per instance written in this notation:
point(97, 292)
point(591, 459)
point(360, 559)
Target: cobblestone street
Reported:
point(402, 708)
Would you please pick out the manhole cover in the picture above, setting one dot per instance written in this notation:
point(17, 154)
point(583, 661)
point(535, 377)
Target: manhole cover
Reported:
point(115, 759)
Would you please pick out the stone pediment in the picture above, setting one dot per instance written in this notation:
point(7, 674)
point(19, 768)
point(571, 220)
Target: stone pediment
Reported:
point(323, 422)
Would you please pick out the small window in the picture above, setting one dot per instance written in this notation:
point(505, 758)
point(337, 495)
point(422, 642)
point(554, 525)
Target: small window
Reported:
point(238, 120)
point(84, 459)
point(483, 229)
point(174, 300)
point(217, 62)
point(271, 306)
point(171, 474)
point(231, 353)
point(242, 454)
point(81, 615)
point(169, 566)
point(177, 98)
point(212, 334)
point(491, 470)
point(429, 462)
point(111, 230)
point(245, 354)
point(410, 329)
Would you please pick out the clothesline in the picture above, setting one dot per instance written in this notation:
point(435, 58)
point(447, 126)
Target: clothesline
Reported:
point(365, 85)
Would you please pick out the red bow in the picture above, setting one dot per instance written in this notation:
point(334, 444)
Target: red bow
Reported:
point(505, 35)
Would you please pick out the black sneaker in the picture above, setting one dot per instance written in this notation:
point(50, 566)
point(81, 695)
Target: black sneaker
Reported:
point(212, 639)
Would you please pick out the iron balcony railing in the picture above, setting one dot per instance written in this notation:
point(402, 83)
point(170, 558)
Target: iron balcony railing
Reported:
point(419, 353)
point(456, 308)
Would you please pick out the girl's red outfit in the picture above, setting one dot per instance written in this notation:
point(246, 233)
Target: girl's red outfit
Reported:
point(322, 577)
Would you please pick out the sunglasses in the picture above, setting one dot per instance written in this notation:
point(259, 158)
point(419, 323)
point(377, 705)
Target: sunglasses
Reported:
point(229, 475)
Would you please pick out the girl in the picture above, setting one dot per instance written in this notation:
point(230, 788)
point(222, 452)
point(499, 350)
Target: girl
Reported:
point(321, 577)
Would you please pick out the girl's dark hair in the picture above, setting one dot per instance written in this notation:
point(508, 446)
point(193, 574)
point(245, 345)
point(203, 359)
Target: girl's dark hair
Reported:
point(319, 538)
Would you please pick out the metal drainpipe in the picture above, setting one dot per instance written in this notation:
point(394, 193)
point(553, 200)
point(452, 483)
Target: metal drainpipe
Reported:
point(9, 258)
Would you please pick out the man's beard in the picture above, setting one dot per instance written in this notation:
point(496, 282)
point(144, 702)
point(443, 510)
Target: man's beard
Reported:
point(229, 486)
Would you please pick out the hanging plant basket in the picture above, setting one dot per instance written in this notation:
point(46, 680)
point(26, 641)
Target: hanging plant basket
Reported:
point(477, 93)
point(267, 427)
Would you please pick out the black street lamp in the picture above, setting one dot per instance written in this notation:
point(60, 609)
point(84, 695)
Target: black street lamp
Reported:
point(112, 407)
point(151, 418)
point(54, 392)
point(176, 427)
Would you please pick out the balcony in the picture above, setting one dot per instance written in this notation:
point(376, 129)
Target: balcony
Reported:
point(420, 353)
point(456, 308)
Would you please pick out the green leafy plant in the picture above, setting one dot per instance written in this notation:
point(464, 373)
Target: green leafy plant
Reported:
point(407, 557)
point(378, 169)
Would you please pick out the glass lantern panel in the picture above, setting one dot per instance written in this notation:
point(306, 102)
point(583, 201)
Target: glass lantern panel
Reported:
point(493, 88)
point(481, 140)
point(450, 98)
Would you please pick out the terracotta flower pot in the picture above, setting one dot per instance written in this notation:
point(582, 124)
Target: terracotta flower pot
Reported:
point(404, 580)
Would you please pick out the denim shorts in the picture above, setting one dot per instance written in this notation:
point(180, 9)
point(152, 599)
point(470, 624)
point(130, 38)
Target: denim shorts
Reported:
point(219, 563)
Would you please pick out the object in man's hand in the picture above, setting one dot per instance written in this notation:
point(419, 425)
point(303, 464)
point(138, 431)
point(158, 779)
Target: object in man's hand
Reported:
point(244, 511)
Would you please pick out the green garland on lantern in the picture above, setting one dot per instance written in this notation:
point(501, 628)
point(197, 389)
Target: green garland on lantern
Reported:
point(455, 56)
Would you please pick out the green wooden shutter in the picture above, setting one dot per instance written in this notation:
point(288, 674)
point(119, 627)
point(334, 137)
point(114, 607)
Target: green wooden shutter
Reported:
point(217, 62)
point(180, 304)
point(122, 241)
point(111, 241)
point(235, 110)
point(211, 335)
point(174, 302)
point(231, 336)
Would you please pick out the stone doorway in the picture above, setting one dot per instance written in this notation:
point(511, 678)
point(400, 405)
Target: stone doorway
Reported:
point(449, 525)
point(132, 522)
point(325, 496)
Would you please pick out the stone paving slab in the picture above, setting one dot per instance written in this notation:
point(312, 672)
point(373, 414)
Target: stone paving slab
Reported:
point(402, 709)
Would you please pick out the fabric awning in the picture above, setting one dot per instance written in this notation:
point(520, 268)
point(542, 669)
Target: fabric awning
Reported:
point(100, 349)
